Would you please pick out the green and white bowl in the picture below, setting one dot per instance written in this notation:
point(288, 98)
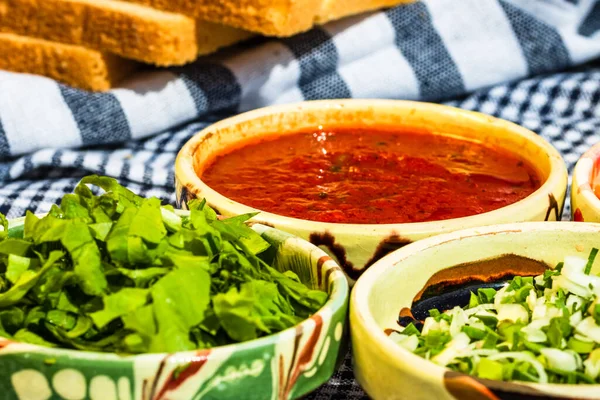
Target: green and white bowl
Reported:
point(356, 246)
point(285, 365)
point(388, 371)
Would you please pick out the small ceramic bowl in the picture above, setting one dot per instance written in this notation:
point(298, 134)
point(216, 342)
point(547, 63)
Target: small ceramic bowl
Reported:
point(356, 246)
point(585, 204)
point(388, 371)
point(285, 365)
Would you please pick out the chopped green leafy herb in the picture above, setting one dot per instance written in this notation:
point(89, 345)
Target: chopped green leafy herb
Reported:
point(116, 272)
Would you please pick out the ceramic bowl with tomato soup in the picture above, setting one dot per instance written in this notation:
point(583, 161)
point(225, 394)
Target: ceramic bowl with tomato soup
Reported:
point(440, 273)
point(284, 365)
point(585, 189)
point(361, 178)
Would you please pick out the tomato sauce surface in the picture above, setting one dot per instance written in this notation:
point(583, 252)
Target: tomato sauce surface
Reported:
point(371, 176)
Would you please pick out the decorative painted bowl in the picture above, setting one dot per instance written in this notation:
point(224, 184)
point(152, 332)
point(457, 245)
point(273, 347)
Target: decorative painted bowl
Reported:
point(357, 246)
point(285, 365)
point(585, 204)
point(388, 371)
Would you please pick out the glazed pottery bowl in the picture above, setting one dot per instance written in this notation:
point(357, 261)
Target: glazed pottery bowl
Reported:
point(585, 204)
point(388, 371)
point(285, 365)
point(356, 246)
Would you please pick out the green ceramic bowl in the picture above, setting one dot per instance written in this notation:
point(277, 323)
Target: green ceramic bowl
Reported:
point(285, 365)
point(357, 246)
point(388, 371)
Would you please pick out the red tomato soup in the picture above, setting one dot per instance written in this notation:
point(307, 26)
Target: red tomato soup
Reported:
point(371, 176)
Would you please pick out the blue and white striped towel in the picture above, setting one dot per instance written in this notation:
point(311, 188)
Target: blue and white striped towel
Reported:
point(429, 50)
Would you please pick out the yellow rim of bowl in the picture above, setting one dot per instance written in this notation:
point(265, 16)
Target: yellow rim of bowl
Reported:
point(185, 173)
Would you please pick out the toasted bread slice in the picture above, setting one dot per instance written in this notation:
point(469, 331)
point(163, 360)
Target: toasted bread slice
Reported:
point(335, 9)
point(270, 17)
point(74, 65)
point(126, 29)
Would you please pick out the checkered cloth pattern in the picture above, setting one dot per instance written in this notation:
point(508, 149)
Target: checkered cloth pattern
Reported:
point(461, 53)
point(562, 107)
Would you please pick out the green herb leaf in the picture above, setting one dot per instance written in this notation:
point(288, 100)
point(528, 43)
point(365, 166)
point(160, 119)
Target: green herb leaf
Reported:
point(180, 300)
point(17, 266)
point(86, 257)
point(124, 196)
point(25, 283)
point(118, 304)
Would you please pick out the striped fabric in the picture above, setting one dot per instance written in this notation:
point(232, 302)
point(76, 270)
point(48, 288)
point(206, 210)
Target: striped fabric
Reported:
point(564, 108)
point(430, 50)
point(534, 62)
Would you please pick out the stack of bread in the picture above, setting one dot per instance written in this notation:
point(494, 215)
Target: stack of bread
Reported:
point(94, 44)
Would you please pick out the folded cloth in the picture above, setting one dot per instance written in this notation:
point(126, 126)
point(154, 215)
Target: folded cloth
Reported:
point(430, 50)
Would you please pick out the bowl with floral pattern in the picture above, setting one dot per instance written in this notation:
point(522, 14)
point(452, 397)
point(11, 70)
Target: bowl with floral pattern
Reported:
point(585, 188)
point(356, 246)
point(449, 273)
point(284, 365)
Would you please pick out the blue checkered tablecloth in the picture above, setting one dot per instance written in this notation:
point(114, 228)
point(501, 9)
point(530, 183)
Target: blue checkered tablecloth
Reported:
point(534, 62)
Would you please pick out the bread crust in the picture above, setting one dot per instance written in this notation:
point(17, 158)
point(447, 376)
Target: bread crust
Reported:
point(73, 65)
point(126, 29)
point(270, 17)
point(335, 9)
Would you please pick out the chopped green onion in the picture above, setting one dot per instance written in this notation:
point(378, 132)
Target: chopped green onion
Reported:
point(534, 347)
point(486, 295)
point(435, 314)
point(473, 300)
point(508, 330)
point(558, 329)
point(543, 329)
point(474, 333)
point(410, 330)
point(487, 319)
point(490, 340)
point(590, 261)
point(488, 369)
point(579, 346)
point(596, 314)
point(523, 292)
